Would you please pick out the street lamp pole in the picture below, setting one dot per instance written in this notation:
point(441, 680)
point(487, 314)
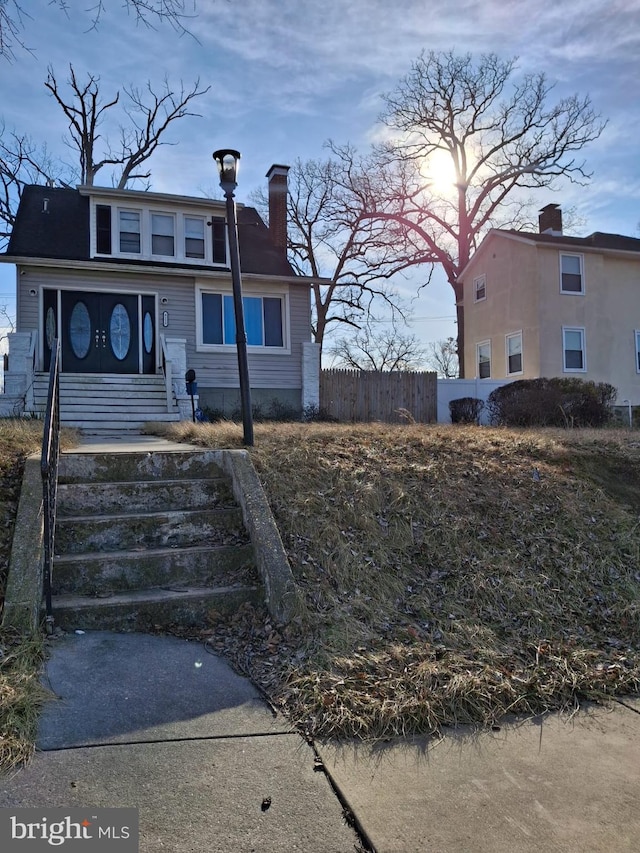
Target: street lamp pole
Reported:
point(227, 162)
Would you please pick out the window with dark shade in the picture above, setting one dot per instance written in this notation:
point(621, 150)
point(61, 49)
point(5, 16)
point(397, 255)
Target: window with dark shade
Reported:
point(272, 322)
point(212, 318)
point(219, 239)
point(103, 229)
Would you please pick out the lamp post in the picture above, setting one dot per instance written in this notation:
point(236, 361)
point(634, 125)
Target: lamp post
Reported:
point(227, 163)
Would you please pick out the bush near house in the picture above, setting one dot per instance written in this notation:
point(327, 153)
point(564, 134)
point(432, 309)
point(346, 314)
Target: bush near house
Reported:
point(466, 410)
point(559, 401)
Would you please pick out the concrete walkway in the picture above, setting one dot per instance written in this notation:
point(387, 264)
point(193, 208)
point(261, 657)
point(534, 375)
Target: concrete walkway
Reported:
point(162, 725)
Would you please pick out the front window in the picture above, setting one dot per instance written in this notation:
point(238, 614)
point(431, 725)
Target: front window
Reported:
point(263, 320)
point(483, 359)
point(574, 352)
point(162, 231)
point(571, 274)
point(480, 288)
point(514, 353)
point(129, 223)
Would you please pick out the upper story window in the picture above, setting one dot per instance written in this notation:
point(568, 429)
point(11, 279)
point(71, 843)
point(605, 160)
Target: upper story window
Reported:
point(194, 236)
point(479, 288)
point(483, 359)
point(514, 353)
point(571, 274)
point(574, 354)
point(129, 230)
point(160, 235)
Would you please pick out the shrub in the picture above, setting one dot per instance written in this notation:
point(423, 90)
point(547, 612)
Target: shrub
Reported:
point(466, 410)
point(559, 401)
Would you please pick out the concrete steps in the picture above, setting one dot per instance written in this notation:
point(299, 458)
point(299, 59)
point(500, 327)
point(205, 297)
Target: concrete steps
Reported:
point(103, 404)
point(148, 540)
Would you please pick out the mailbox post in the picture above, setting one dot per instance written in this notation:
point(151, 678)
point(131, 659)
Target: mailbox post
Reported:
point(192, 390)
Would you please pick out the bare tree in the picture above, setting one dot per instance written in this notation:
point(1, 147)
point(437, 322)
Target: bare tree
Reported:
point(442, 356)
point(499, 136)
point(21, 162)
point(149, 115)
point(328, 238)
point(379, 347)
point(14, 17)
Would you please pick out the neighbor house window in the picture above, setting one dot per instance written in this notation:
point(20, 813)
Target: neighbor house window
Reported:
point(514, 353)
point(194, 237)
point(483, 359)
point(573, 348)
point(480, 288)
point(263, 319)
point(162, 231)
point(637, 351)
point(129, 225)
point(571, 274)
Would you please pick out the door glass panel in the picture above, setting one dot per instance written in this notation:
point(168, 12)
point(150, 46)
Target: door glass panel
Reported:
point(148, 332)
point(80, 330)
point(50, 326)
point(120, 332)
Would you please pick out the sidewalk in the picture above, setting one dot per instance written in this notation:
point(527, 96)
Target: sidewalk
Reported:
point(552, 785)
point(159, 724)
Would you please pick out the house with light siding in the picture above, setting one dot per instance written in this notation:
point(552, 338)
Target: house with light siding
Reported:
point(545, 304)
point(137, 288)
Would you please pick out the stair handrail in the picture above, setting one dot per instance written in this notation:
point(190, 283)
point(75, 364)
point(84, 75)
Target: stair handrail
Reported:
point(49, 466)
point(167, 369)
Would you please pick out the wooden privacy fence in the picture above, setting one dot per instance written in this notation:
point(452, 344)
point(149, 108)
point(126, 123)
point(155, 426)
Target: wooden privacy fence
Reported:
point(367, 395)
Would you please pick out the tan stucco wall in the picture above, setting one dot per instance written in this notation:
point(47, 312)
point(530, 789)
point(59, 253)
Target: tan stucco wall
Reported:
point(511, 306)
point(523, 292)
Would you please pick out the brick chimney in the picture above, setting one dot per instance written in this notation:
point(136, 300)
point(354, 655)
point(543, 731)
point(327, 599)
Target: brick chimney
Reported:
point(277, 177)
point(550, 220)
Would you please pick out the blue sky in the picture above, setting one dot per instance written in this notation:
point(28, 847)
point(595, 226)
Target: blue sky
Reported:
point(286, 75)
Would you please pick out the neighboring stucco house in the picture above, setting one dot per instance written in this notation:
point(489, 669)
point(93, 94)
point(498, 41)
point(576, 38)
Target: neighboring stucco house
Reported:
point(137, 285)
point(550, 305)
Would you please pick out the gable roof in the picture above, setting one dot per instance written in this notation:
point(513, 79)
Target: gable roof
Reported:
point(598, 241)
point(53, 222)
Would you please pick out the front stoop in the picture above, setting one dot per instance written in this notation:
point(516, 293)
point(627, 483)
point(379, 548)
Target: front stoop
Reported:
point(148, 541)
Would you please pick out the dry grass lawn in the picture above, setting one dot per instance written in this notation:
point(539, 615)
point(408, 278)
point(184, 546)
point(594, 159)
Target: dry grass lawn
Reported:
point(21, 694)
point(451, 574)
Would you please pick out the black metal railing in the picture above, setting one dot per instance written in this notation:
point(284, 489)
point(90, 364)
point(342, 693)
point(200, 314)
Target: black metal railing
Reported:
point(49, 467)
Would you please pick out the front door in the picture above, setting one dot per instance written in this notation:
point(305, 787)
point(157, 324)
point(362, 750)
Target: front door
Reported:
point(99, 332)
